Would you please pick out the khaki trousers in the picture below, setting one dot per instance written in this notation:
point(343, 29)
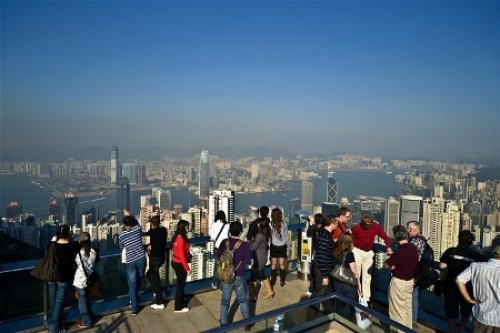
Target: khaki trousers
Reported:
point(364, 260)
point(400, 292)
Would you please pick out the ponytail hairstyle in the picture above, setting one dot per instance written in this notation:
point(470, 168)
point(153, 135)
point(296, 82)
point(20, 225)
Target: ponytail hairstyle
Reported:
point(63, 231)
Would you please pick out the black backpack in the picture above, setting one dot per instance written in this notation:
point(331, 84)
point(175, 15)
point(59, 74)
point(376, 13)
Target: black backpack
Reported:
point(425, 274)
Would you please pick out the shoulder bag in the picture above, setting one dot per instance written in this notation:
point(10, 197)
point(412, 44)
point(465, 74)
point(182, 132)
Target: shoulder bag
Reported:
point(93, 277)
point(343, 274)
point(48, 268)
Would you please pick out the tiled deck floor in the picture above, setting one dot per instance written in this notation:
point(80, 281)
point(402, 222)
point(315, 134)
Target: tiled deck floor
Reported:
point(204, 314)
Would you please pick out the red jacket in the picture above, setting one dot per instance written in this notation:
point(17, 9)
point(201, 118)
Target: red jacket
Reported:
point(340, 229)
point(180, 252)
point(363, 239)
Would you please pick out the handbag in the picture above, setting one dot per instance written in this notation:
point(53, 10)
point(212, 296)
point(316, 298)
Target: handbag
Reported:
point(93, 277)
point(343, 274)
point(48, 268)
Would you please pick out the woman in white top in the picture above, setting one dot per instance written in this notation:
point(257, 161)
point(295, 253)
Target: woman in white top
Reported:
point(85, 261)
point(219, 231)
point(278, 251)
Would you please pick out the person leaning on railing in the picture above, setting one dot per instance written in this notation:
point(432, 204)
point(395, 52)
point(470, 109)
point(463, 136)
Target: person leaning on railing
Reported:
point(363, 237)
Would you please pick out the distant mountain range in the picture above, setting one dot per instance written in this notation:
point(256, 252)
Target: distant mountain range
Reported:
point(155, 153)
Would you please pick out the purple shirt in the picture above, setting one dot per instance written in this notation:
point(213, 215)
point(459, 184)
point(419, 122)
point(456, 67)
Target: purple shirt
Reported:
point(241, 254)
point(404, 260)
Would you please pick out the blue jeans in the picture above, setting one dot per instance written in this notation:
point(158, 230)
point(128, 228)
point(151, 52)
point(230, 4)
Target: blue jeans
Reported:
point(344, 309)
point(84, 306)
point(241, 289)
point(414, 304)
point(135, 275)
point(57, 294)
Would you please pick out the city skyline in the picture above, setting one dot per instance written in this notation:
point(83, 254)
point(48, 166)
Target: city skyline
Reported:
point(381, 78)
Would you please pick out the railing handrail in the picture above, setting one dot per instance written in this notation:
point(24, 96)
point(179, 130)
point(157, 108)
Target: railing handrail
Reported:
point(312, 301)
point(108, 253)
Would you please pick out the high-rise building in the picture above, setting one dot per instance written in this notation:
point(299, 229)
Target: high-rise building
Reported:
point(204, 178)
point(432, 218)
point(332, 188)
point(13, 210)
point(177, 210)
point(55, 209)
point(450, 226)
point(294, 206)
point(71, 201)
point(122, 197)
point(410, 209)
point(221, 200)
point(391, 215)
point(131, 171)
point(115, 165)
point(328, 208)
point(307, 195)
point(163, 198)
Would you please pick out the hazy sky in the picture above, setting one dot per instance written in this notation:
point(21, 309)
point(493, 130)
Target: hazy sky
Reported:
point(376, 77)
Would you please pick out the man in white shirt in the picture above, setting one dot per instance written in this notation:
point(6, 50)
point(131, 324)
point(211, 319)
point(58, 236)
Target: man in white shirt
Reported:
point(485, 278)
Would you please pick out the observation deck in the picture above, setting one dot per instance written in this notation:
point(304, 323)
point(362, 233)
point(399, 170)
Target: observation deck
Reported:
point(23, 303)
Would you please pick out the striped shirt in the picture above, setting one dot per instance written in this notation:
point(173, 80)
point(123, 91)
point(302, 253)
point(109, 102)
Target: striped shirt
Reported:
point(323, 258)
point(131, 240)
point(485, 278)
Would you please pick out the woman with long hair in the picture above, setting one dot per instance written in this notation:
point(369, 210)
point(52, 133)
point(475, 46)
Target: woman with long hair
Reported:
point(181, 257)
point(85, 262)
point(66, 251)
point(278, 251)
point(260, 244)
point(342, 253)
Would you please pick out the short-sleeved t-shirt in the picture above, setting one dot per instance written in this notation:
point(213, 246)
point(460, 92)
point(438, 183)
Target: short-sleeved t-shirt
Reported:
point(349, 258)
point(457, 259)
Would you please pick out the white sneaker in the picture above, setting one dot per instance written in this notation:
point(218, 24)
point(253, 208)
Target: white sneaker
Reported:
point(183, 310)
point(308, 293)
point(158, 306)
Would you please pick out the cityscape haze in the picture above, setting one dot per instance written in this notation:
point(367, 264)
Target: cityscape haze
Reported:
point(396, 79)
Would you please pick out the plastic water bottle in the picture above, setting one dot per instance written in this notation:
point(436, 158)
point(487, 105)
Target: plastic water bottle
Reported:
point(278, 324)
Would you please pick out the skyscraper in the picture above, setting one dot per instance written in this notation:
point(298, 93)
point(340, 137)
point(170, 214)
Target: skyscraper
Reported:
point(13, 210)
point(221, 200)
point(391, 216)
point(71, 201)
point(122, 197)
point(204, 178)
point(307, 195)
point(294, 206)
point(131, 171)
point(55, 209)
point(332, 188)
point(411, 209)
point(115, 165)
point(163, 198)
